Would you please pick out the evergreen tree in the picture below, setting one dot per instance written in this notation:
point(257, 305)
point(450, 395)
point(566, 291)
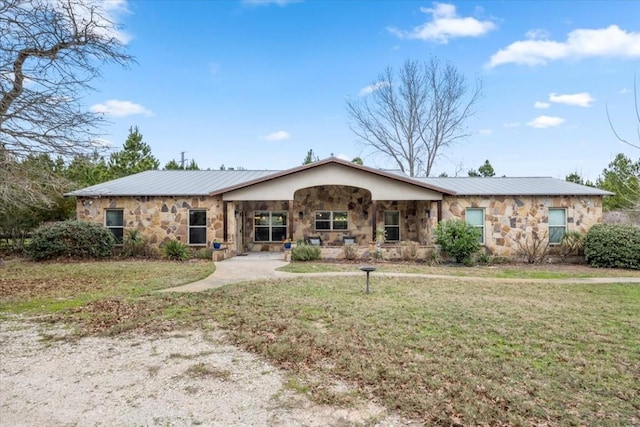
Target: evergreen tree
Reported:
point(134, 157)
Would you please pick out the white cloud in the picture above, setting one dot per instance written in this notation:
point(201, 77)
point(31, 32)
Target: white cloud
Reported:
point(536, 34)
point(371, 88)
point(623, 91)
point(485, 131)
point(117, 108)
point(581, 43)
point(343, 156)
point(280, 135)
point(512, 124)
point(542, 122)
point(582, 99)
point(445, 25)
point(541, 105)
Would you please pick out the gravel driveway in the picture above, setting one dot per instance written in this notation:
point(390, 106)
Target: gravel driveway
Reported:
point(179, 379)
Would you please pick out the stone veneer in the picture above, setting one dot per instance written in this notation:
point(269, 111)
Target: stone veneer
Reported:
point(160, 218)
point(508, 219)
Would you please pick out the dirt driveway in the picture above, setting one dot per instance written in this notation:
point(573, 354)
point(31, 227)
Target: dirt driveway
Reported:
point(179, 379)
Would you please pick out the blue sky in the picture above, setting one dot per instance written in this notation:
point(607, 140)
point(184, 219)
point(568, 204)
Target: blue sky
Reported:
point(258, 83)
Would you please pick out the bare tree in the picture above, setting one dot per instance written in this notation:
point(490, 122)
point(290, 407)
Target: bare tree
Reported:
point(413, 120)
point(50, 51)
point(637, 110)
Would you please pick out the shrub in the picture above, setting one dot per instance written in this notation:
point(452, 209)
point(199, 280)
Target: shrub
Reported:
point(457, 239)
point(204, 253)
point(613, 246)
point(534, 248)
point(572, 243)
point(72, 239)
point(305, 253)
point(175, 250)
point(135, 244)
point(409, 250)
point(350, 251)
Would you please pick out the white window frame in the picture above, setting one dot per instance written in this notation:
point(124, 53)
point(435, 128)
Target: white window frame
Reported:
point(479, 226)
point(111, 227)
point(332, 220)
point(191, 226)
point(387, 226)
point(270, 226)
point(557, 226)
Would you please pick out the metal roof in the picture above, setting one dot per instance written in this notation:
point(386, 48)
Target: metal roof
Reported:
point(206, 182)
point(171, 183)
point(521, 186)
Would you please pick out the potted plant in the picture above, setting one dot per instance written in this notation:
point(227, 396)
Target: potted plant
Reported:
point(287, 243)
point(216, 244)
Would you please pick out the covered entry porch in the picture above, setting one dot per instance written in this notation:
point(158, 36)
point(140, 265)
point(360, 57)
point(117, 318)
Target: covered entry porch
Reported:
point(329, 204)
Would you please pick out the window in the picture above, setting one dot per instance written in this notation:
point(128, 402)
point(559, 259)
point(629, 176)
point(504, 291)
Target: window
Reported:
point(198, 227)
point(332, 220)
point(270, 226)
point(392, 225)
point(114, 221)
point(475, 217)
point(557, 224)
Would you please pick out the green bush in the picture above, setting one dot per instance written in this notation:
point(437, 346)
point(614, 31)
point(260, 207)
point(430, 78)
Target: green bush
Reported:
point(204, 253)
point(71, 239)
point(457, 239)
point(613, 246)
point(135, 244)
point(305, 253)
point(175, 250)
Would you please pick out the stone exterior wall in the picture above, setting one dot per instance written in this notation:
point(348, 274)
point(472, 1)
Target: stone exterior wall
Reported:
point(508, 219)
point(160, 218)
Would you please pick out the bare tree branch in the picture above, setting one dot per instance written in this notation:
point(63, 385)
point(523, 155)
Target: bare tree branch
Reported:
point(50, 51)
point(412, 121)
point(637, 110)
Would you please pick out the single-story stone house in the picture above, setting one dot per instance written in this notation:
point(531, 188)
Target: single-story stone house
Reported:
point(332, 202)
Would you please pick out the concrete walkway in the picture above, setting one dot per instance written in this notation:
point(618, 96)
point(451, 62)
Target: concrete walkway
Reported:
point(263, 265)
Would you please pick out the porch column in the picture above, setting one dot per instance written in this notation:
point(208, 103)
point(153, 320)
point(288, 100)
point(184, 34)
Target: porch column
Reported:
point(439, 203)
point(374, 219)
point(290, 225)
point(225, 219)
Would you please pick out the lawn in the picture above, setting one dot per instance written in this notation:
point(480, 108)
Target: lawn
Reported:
point(445, 351)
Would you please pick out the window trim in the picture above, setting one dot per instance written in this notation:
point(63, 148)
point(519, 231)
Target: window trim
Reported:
point(331, 220)
point(119, 242)
point(481, 226)
point(384, 218)
point(563, 226)
point(189, 227)
point(270, 225)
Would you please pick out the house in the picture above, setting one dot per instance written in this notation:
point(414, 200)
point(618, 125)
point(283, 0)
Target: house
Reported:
point(332, 201)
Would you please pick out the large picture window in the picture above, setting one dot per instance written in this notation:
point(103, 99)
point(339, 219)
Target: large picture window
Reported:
point(270, 226)
point(557, 224)
point(332, 220)
point(392, 225)
point(475, 217)
point(114, 221)
point(198, 227)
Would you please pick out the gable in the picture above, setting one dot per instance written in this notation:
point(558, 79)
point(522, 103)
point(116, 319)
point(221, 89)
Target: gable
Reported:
point(383, 186)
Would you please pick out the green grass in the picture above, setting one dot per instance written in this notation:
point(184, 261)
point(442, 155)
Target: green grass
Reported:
point(518, 271)
point(443, 350)
point(447, 351)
